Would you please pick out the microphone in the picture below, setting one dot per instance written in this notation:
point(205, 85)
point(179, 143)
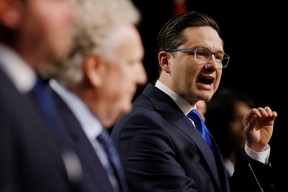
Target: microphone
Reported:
point(246, 158)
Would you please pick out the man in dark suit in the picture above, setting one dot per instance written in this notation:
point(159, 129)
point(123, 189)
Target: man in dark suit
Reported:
point(96, 84)
point(31, 32)
point(159, 144)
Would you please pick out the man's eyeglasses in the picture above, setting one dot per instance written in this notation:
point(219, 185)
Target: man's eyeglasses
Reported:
point(203, 55)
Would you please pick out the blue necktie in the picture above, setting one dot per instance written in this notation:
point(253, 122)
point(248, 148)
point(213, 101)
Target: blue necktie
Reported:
point(113, 157)
point(42, 94)
point(200, 125)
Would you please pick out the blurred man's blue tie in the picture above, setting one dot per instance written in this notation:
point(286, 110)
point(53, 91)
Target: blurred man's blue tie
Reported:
point(200, 125)
point(42, 94)
point(113, 157)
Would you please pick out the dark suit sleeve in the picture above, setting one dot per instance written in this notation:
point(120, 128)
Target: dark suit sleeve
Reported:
point(254, 177)
point(8, 180)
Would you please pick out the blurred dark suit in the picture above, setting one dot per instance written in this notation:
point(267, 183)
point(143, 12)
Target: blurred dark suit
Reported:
point(30, 161)
point(94, 174)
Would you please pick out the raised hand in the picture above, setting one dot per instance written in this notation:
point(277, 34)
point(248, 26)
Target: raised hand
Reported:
point(259, 124)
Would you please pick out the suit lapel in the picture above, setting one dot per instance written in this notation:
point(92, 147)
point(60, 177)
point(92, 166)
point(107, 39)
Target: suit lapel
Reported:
point(90, 161)
point(172, 113)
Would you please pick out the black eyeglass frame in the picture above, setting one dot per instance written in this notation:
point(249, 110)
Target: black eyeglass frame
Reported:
point(193, 51)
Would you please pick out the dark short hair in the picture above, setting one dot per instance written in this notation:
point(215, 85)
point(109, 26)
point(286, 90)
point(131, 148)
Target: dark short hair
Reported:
point(171, 35)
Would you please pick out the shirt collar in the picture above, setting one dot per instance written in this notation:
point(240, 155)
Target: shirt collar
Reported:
point(180, 102)
point(90, 124)
point(19, 72)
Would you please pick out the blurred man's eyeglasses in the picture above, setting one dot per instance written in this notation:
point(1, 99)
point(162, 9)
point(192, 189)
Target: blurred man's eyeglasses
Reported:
point(203, 55)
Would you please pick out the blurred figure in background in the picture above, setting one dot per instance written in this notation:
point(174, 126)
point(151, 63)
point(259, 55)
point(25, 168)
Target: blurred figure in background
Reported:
point(31, 32)
point(224, 117)
point(96, 85)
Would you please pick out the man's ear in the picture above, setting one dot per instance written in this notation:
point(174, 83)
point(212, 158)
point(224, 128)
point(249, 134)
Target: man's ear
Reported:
point(11, 12)
point(93, 70)
point(163, 59)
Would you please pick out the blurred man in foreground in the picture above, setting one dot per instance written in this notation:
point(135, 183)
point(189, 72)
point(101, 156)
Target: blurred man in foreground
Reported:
point(32, 32)
point(96, 85)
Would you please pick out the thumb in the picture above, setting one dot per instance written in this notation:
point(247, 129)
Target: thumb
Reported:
point(250, 125)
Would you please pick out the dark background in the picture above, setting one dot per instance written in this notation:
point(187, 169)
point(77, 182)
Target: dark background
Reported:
point(255, 37)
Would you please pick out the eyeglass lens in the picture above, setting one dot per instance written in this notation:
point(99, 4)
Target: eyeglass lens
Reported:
point(204, 55)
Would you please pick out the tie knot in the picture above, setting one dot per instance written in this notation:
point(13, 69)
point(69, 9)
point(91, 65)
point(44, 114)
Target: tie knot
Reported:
point(104, 138)
point(200, 125)
point(40, 87)
point(196, 117)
